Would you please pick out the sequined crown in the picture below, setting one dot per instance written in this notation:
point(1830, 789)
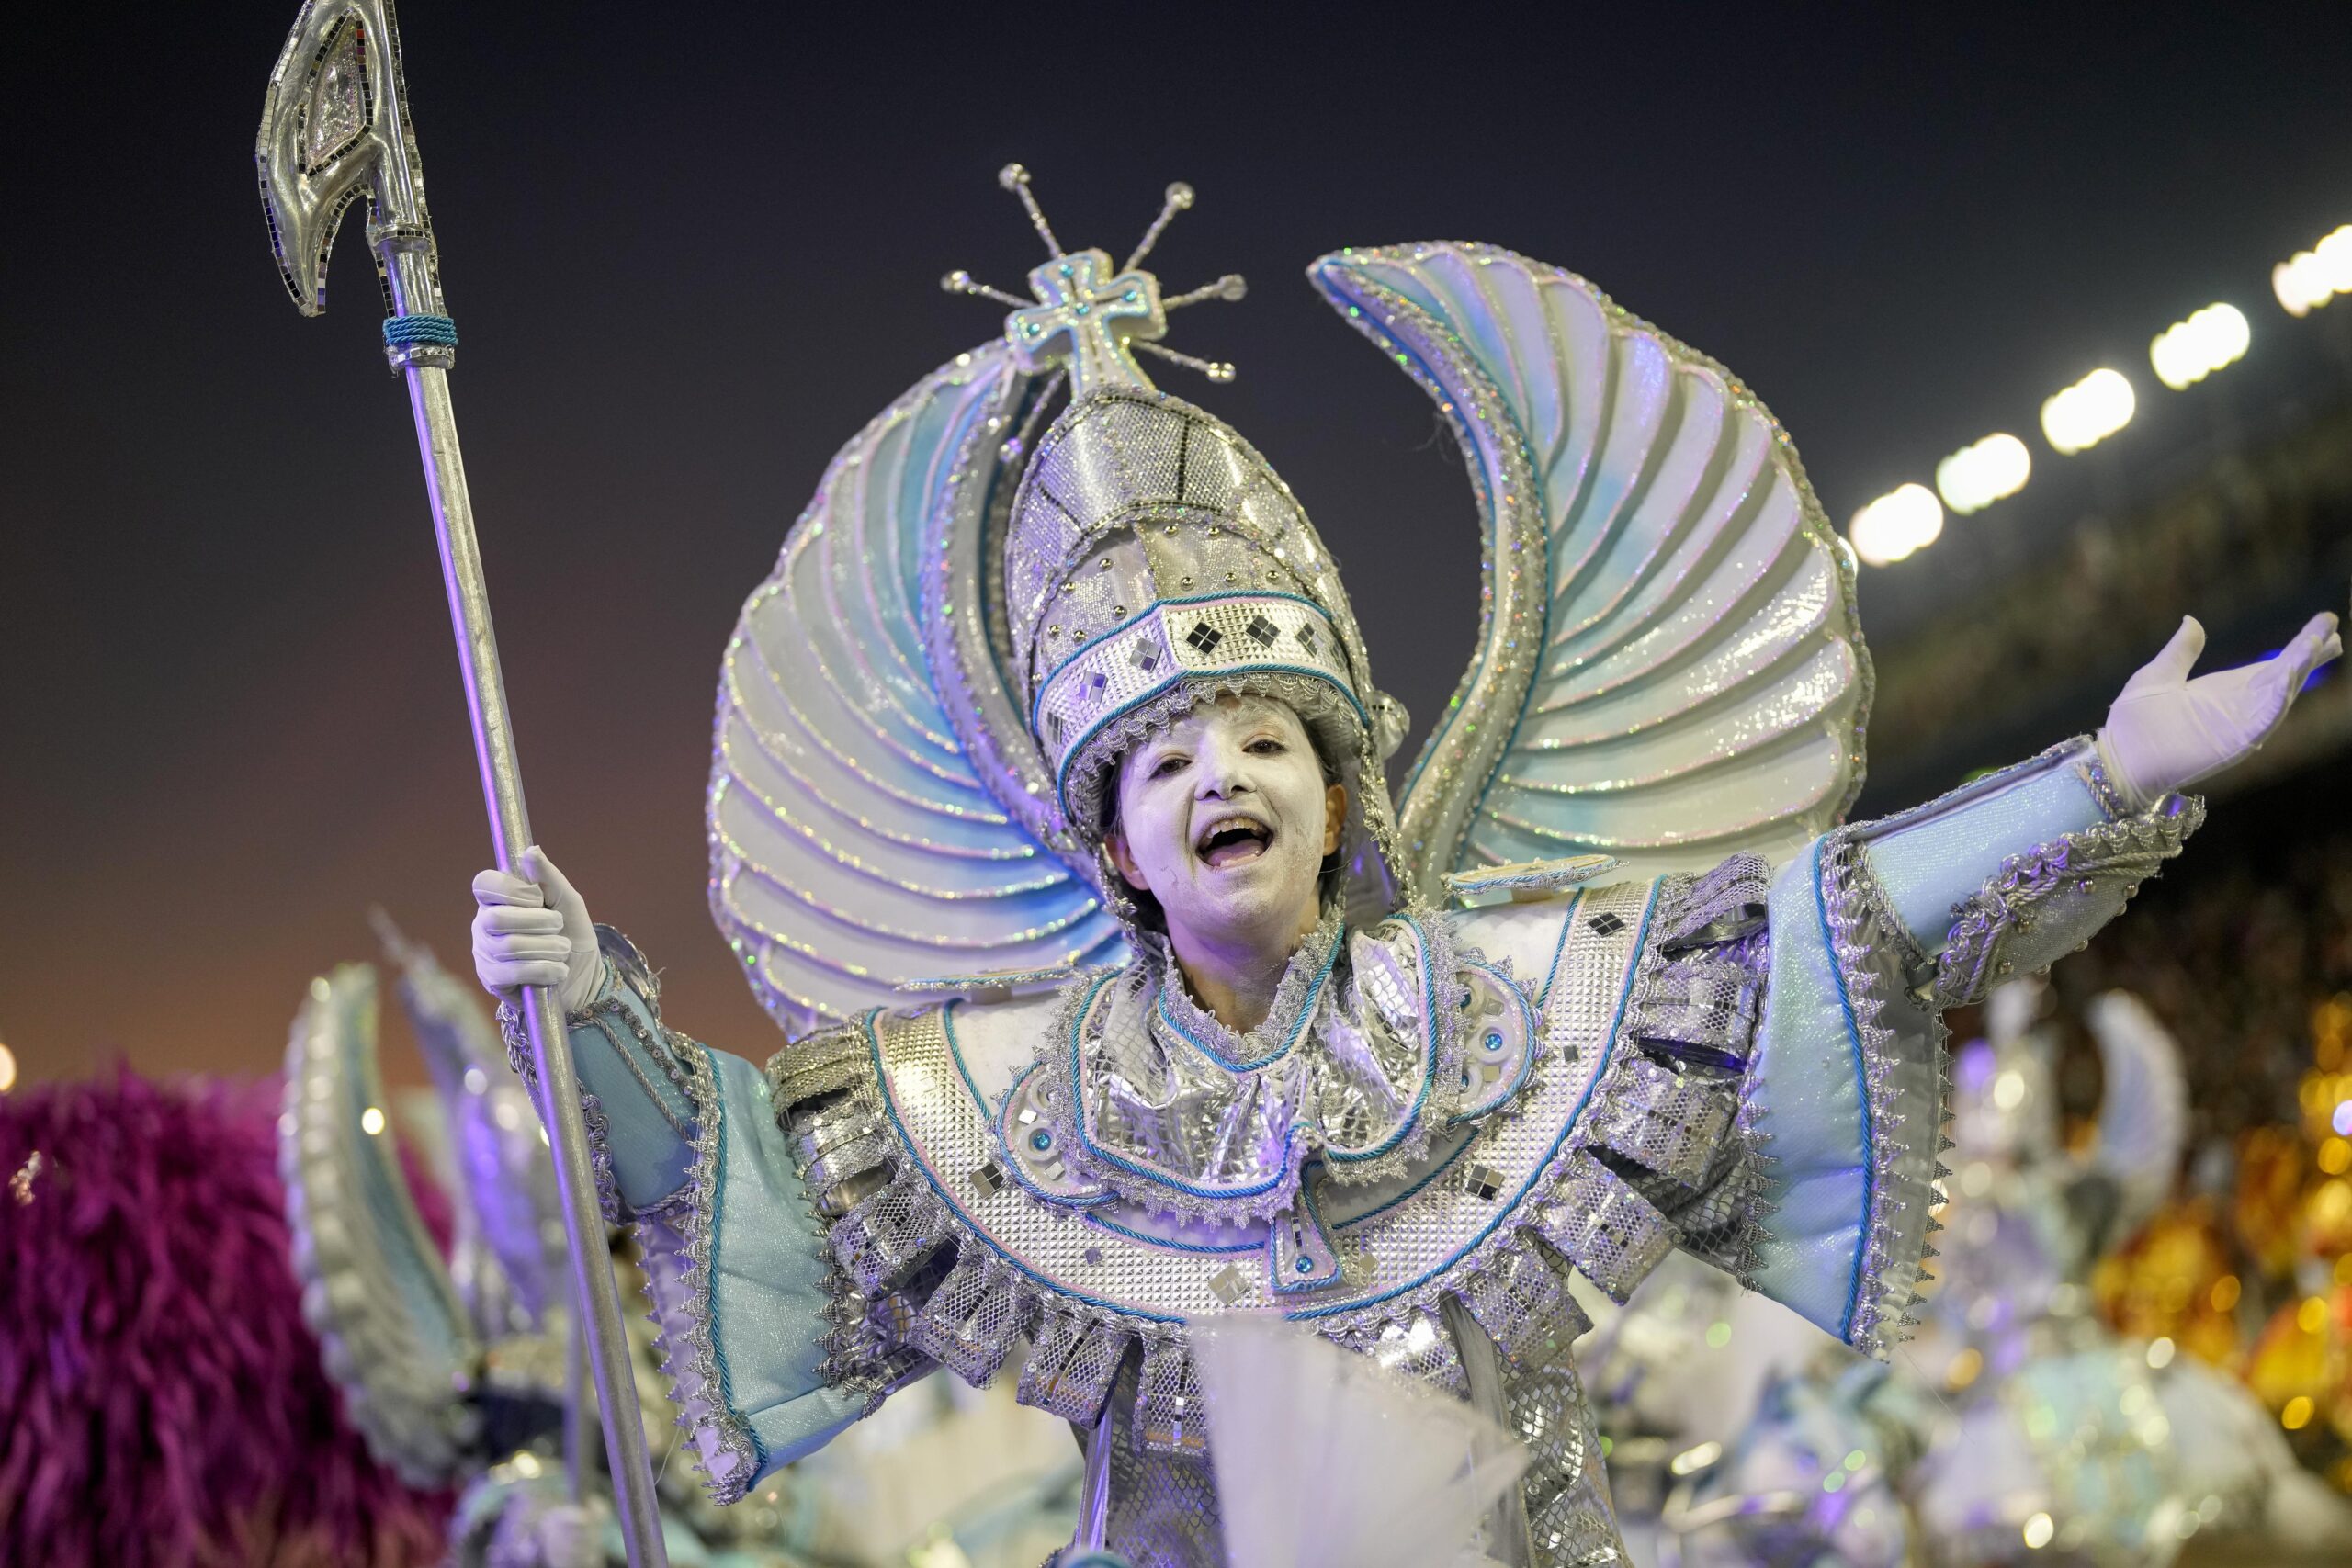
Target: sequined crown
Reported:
point(1152, 557)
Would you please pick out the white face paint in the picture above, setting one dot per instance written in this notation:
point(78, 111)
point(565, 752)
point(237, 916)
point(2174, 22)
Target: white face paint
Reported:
point(1225, 818)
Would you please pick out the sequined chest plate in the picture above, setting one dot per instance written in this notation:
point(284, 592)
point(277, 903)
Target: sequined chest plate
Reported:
point(1400, 1244)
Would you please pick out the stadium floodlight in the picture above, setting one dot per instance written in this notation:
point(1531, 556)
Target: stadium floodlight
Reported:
point(1898, 524)
point(2088, 412)
point(2186, 352)
point(2297, 283)
point(2311, 279)
point(2335, 255)
point(1984, 472)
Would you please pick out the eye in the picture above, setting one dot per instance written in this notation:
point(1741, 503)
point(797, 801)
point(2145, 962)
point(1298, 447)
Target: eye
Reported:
point(1267, 746)
point(1172, 762)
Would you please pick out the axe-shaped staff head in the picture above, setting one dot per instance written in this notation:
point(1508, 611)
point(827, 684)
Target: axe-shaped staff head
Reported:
point(333, 129)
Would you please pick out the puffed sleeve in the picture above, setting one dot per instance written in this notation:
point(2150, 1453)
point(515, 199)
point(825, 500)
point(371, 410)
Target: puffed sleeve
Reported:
point(688, 1151)
point(1875, 929)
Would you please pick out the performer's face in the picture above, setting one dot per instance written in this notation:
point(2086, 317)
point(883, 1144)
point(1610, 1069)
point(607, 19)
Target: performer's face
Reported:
point(1225, 818)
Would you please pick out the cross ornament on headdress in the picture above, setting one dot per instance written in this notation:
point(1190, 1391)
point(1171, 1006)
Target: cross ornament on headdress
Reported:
point(1089, 318)
point(1085, 320)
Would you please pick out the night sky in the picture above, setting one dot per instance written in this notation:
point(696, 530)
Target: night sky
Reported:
point(691, 251)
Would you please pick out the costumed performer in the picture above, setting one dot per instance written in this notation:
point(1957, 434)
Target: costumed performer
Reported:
point(1093, 717)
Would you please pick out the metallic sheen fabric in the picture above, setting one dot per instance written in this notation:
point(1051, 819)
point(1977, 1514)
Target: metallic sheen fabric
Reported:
point(1355, 1065)
point(1628, 1113)
point(951, 1248)
point(1651, 544)
point(1153, 558)
point(965, 630)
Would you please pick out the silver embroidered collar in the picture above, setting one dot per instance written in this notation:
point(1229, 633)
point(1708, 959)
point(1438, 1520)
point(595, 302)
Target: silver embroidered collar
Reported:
point(1354, 1064)
point(1176, 1017)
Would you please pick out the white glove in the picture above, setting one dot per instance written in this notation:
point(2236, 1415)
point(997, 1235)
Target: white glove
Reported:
point(535, 933)
point(2166, 732)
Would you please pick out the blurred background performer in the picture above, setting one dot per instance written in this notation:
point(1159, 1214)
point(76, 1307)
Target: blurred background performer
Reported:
point(453, 1368)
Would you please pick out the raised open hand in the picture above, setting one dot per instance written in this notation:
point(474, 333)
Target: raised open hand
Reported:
point(535, 932)
point(2166, 732)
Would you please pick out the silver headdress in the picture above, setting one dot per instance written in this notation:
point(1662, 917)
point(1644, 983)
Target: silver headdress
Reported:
point(920, 707)
point(1153, 558)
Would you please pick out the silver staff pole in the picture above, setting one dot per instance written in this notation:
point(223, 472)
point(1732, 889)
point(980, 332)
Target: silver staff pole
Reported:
point(336, 129)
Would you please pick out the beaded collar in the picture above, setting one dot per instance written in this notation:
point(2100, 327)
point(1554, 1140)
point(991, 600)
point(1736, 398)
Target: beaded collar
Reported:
point(1156, 1101)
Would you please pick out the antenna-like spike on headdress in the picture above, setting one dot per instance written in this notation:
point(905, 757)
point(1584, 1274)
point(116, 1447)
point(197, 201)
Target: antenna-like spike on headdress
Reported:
point(1215, 370)
point(1016, 178)
point(1179, 198)
point(961, 282)
point(1232, 286)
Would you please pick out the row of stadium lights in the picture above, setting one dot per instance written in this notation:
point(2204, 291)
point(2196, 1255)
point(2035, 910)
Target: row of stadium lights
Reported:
point(1911, 517)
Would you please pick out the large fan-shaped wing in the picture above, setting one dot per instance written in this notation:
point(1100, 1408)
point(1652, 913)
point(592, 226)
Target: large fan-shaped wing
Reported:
point(1669, 668)
point(509, 1260)
point(854, 844)
point(395, 1340)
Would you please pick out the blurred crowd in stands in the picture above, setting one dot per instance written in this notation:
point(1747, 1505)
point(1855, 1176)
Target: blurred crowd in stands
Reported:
point(2260, 540)
point(2243, 948)
point(2239, 953)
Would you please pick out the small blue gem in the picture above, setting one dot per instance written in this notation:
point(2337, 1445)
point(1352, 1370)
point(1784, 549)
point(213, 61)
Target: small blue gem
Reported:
point(1041, 1141)
point(1306, 1265)
point(1082, 307)
point(1131, 296)
point(1068, 270)
point(1494, 1039)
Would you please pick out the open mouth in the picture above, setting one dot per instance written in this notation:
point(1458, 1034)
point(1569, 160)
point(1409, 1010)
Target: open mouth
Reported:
point(1232, 842)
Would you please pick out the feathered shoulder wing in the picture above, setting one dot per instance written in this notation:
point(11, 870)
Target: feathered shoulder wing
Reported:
point(1668, 666)
point(865, 831)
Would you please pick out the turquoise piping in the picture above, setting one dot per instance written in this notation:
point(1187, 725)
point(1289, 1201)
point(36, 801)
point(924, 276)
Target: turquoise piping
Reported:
point(1558, 948)
point(1298, 1025)
point(1099, 1223)
point(1862, 1097)
point(1019, 1265)
point(1037, 703)
point(1624, 997)
point(947, 1025)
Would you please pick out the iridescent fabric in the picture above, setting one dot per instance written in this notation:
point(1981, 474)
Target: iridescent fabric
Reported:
point(1354, 1066)
point(965, 630)
point(1719, 1062)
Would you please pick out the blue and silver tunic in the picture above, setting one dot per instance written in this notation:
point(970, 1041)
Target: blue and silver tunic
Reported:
point(1442, 1115)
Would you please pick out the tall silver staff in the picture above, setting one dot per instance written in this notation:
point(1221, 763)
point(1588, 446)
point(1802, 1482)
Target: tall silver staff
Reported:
point(333, 129)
